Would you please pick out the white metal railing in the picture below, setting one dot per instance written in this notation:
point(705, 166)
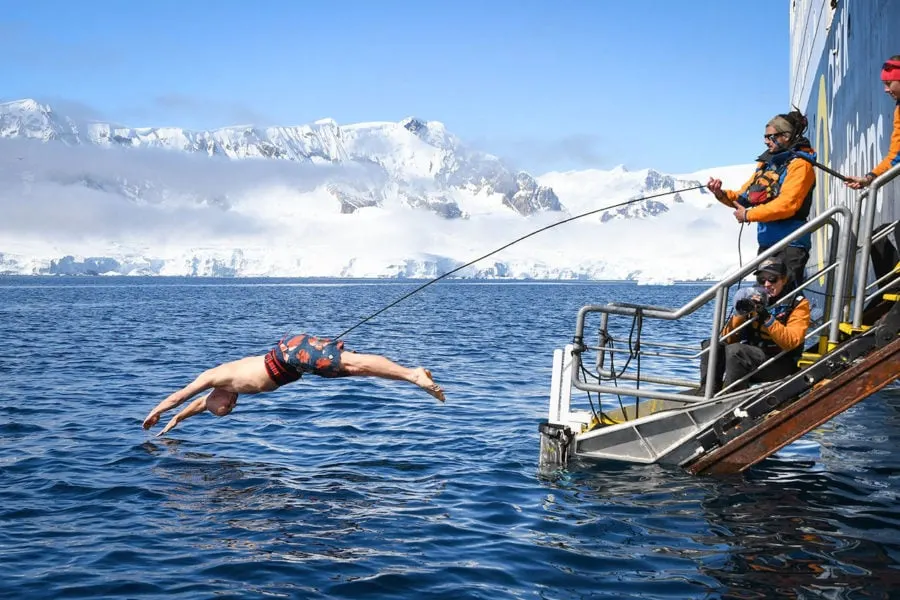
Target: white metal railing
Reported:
point(851, 238)
point(865, 239)
point(836, 218)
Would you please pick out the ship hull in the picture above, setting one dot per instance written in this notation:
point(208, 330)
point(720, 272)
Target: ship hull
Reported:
point(836, 59)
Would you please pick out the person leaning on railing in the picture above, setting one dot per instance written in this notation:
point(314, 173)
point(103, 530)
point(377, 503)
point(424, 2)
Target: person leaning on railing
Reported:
point(890, 76)
point(883, 258)
point(778, 196)
point(776, 328)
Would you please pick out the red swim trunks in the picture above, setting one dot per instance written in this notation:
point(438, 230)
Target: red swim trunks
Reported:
point(297, 354)
point(279, 371)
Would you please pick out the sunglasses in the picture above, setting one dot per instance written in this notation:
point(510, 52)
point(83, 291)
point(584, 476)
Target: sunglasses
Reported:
point(761, 279)
point(772, 136)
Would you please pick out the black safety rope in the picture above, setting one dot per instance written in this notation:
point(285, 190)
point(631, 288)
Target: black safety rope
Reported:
point(605, 340)
point(634, 352)
point(639, 318)
point(605, 337)
point(597, 414)
point(505, 246)
point(819, 165)
point(830, 171)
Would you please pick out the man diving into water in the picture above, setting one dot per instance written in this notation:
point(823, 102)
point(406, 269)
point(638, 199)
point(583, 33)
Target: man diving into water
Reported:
point(293, 356)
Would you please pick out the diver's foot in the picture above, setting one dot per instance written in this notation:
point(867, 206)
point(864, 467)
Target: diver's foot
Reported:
point(422, 378)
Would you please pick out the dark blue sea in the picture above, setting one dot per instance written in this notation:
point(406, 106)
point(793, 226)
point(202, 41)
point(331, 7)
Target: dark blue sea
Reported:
point(360, 487)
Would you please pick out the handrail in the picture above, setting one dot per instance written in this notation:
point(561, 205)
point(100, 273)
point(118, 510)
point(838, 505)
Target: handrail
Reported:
point(845, 224)
point(843, 250)
point(892, 278)
point(771, 360)
point(865, 243)
point(730, 279)
point(839, 252)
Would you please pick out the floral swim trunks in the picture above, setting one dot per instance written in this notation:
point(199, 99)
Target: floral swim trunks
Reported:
point(297, 354)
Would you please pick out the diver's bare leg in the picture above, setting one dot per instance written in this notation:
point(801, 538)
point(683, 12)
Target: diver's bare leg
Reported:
point(373, 365)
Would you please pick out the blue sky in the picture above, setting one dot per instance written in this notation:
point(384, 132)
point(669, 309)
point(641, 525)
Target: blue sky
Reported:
point(677, 86)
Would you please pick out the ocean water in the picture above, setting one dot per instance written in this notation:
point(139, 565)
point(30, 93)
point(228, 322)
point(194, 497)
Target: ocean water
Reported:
point(363, 487)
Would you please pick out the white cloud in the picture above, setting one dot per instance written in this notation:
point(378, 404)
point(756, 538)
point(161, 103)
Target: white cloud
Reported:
point(271, 217)
point(74, 193)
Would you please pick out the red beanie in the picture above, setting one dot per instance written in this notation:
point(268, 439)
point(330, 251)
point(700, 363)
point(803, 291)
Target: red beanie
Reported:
point(891, 71)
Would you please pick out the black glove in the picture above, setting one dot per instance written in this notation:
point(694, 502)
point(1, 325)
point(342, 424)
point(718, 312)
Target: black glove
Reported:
point(762, 313)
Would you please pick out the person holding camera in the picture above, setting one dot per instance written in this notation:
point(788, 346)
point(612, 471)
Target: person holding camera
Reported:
point(781, 319)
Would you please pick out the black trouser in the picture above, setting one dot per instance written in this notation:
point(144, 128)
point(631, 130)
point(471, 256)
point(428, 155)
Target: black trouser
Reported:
point(795, 259)
point(883, 253)
point(734, 361)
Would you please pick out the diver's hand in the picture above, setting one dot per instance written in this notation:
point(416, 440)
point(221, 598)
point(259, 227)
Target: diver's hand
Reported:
point(151, 420)
point(169, 426)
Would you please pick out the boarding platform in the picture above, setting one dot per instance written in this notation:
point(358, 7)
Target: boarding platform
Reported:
point(627, 386)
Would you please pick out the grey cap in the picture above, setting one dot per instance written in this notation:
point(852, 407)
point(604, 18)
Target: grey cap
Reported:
point(773, 265)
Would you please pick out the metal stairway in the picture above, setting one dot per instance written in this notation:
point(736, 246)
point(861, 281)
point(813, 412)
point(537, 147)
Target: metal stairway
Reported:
point(703, 431)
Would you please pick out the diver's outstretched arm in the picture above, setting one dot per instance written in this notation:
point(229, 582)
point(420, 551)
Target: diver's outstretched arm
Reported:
point(194, 408)
point(203, 382)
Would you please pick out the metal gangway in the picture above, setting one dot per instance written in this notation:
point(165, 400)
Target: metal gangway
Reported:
point(643, 416)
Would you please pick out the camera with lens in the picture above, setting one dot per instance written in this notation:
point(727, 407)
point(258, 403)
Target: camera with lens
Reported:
point(750, 300)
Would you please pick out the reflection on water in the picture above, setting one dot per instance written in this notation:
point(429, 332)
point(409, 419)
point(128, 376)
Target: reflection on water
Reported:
point(777, 532)
point(787, 535)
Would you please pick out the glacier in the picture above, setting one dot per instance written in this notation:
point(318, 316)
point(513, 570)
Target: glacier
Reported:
point(381, 199)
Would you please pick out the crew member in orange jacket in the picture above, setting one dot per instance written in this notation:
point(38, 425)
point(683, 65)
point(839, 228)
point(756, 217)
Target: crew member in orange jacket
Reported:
point(778, 196)
point(781, 321)
point(890, 76)
point(885, 256)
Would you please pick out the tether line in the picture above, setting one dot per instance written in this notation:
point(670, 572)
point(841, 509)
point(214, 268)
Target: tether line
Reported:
point(515, 241)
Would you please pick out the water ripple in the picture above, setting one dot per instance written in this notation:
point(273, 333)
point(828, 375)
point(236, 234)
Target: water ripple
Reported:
point(341, 488)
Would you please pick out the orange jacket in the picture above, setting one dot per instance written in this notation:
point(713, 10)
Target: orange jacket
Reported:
point(893, 155)
point(787, 335)
point(798, 181)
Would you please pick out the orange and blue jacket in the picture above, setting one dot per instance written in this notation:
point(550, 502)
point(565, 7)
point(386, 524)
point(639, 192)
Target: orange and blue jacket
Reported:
point(779, 194)
point(893, 155)
point(785, 329)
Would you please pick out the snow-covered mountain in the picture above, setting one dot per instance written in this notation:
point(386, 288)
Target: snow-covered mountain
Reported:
point(382, 199)
point(421, 160)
